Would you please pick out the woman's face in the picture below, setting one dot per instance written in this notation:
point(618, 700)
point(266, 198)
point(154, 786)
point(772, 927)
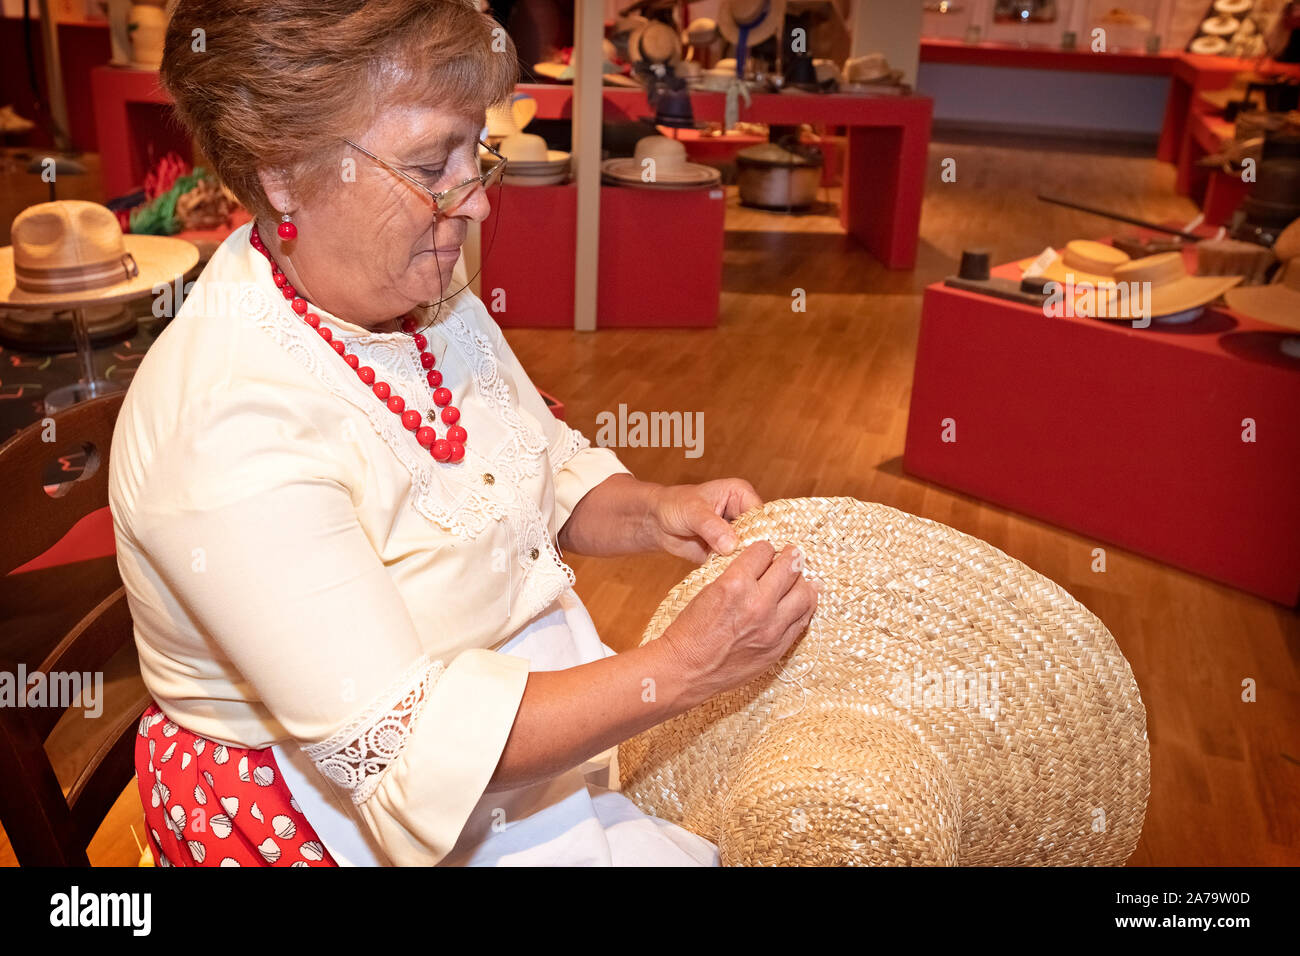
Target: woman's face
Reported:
point(370, 246)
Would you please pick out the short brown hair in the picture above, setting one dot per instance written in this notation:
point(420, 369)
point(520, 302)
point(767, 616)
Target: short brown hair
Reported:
point(277, 83)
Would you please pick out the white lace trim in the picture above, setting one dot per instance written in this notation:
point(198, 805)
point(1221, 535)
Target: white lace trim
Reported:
point(357, 757)
point(575, 442)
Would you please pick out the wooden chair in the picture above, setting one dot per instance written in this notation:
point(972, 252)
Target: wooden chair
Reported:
point(44, 827)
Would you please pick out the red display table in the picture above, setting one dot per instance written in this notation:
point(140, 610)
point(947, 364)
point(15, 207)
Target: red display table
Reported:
point(660, 257)
point(1128, 436)
point(885, 155)
point(528, 256)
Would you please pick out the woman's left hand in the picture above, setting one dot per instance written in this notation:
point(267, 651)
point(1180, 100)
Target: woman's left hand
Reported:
point(691, 521)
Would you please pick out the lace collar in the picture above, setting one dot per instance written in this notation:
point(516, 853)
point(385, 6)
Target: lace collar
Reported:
point(452, 497)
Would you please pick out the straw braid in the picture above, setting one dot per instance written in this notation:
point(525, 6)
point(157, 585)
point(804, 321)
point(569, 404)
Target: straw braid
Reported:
point(859, 747)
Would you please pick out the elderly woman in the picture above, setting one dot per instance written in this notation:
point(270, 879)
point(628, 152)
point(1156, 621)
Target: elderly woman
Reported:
point(341, 505)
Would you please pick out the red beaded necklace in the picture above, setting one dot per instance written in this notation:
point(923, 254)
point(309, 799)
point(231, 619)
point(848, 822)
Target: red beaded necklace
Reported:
point(449, 449)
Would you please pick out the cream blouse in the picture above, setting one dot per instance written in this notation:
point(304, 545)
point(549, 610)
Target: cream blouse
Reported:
point(301, 571)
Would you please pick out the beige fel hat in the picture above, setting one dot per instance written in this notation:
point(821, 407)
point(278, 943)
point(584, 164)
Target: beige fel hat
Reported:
point(71, 253)
point(671, 169)
point(1083, 260)
point(1166, 288)
point(947, 706)
point(765, 17)
point(1277, 303)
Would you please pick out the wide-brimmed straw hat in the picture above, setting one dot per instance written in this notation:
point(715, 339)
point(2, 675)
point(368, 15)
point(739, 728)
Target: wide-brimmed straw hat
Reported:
point(1083, 260)
point(671, 168)
point(913, 721)
point(764, 18)
point(1160, 285)
point(71, 253)
point(654, 42)
point(1277, 303)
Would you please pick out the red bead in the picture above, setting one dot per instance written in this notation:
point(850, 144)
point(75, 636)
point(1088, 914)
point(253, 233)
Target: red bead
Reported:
point(411, 419)
point(457, 451)
point(426, 360)
point(435, 379)
point(312, 319)
point(456, 434)
point(420, 341)
point(425, 436)
point(408, 325)
point(441, 449)
point(287, 231)
point(352, 360)
point(382, 390)
point(396, 404)
point(299, 305)
point(278, 278)
point(288, 291)
point(325, 333)
point(450, 415)
point(339, 346)
point(441, 396)
point(366, 374)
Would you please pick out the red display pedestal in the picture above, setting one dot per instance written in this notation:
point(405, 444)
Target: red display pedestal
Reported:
point(660, 257)
point(528, 256)
point(135, 125)
point(1130, 436)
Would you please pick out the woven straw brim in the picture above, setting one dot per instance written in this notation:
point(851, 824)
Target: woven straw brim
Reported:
point(947, 705)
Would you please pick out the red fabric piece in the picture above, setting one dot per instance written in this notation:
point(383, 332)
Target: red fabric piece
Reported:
point(206, 804)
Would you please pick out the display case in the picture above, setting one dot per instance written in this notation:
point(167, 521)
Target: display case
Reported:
point(1028, 22)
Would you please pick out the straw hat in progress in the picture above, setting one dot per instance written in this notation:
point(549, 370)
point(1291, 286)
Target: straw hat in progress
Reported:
point(68, 254)
point(1277, 304)
point(671, 170)
point(947, 705)
point(1083, 260)
point(764, 17)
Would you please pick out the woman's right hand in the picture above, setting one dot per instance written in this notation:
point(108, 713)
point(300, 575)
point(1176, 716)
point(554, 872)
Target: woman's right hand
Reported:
point(743, 621)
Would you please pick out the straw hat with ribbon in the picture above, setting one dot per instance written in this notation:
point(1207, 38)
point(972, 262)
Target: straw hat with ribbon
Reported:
point(1159, 285)
point(670, 167)
point(1082, 260)
point(655, 42)
point(68, 254)
point(747, 23)
point(1277, 303)
point(947, 705)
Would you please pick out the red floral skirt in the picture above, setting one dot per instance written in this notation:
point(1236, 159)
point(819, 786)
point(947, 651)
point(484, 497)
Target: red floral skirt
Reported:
point(206, 804)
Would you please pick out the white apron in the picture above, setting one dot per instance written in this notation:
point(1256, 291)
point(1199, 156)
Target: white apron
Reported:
point(574, 819)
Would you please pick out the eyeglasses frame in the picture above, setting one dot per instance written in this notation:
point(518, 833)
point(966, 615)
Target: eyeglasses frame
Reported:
point(498, 169)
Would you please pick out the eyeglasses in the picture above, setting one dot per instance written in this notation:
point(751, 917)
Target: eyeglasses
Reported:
point(448, 199)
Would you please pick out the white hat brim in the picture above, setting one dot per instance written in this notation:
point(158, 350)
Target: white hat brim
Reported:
point(627, 170)
point(160, 259)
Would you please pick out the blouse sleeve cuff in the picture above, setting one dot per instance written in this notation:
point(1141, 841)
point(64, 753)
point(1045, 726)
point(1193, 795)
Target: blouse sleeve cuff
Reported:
point(582, 472)
point(427, 795)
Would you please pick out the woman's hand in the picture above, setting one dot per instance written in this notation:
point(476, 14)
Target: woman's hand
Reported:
point(741, 623)
point(692, 521)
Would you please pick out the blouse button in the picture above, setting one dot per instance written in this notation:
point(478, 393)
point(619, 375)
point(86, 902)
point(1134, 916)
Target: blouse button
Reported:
point(533, 553)
point(488, 479)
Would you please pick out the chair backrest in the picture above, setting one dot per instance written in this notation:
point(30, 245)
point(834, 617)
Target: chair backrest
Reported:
point(45, 827)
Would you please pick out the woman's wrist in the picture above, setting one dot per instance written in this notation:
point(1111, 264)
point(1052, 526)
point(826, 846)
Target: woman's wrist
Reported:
point(618, 516)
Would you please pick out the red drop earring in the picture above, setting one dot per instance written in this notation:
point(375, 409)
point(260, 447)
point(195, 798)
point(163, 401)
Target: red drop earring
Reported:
point(287, 230)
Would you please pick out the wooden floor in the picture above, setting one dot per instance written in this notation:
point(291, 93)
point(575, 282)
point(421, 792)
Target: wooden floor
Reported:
point(816, 403)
